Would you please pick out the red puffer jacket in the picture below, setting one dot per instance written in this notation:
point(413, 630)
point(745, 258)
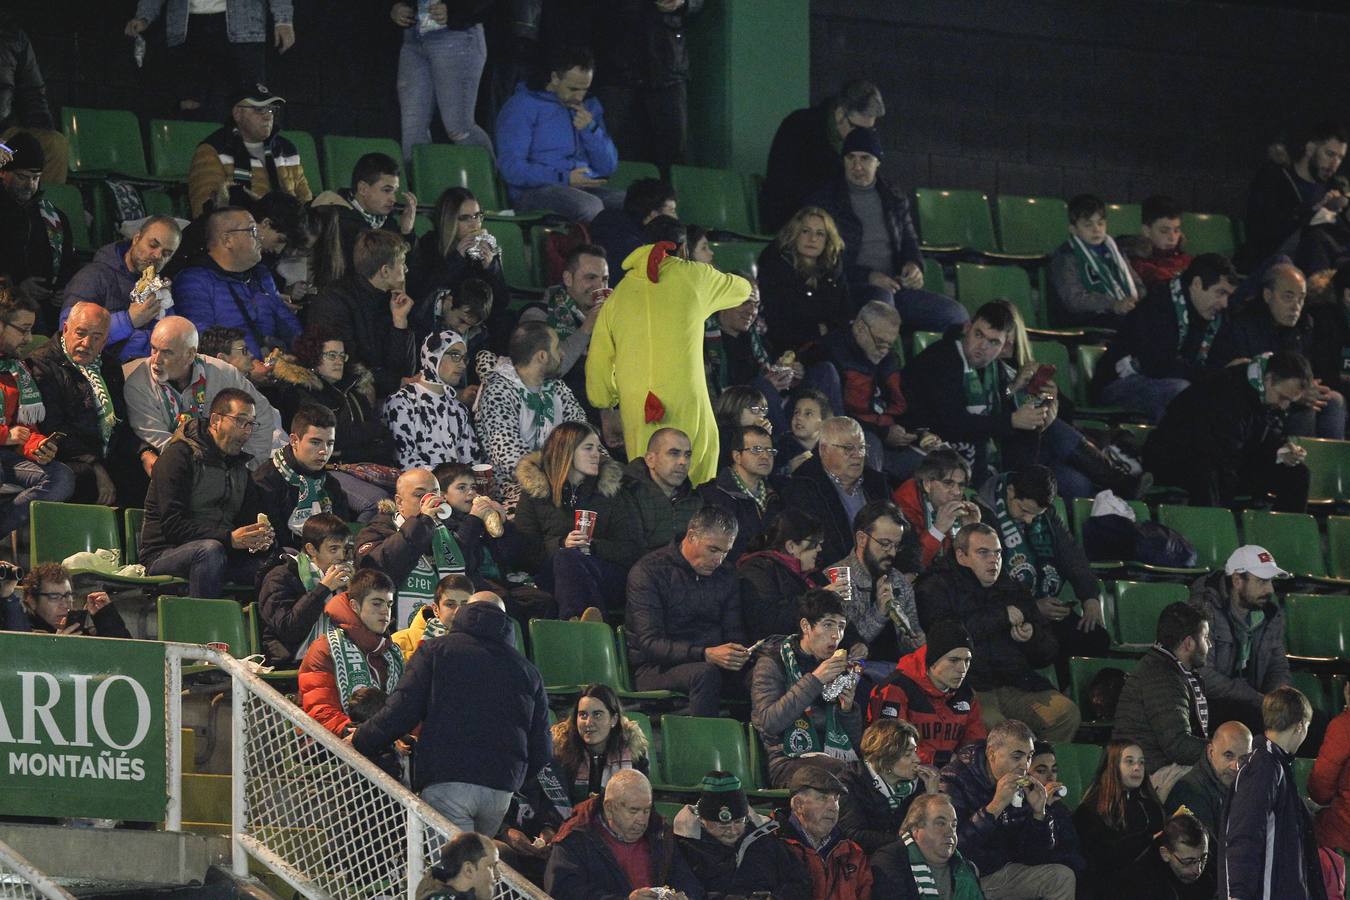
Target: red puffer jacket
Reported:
point(319, 694)
point(842, 874)
point(945, 721)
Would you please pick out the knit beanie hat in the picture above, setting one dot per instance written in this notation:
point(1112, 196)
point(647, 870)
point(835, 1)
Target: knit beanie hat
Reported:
point(721, 798)
point(27, 152)
point(944, 636)
point(863, 140)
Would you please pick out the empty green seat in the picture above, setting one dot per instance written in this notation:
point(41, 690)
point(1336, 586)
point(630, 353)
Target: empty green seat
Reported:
point(1329, 467)
point(172, 144)
point(436, 167)
point(1031, 226)
point(570, 655)
point(67, 198)
point(194, 620)
point(1316, 625)
point(934, 279)
point(1077, 766)
point(630, 171)
point(516, 265)
point(1207, 233)
point(1210, 528)
point(741, 257)
point(713, 198)
point(309, 161)
point(1292, 538)
point(1138, 604)
point(1338, 541)
point(1124, 219)
point(693, 746)
point(340, 154)
point(923, 339)
point(1315, 689)
point(1055, 354)
point(978, 284)
point(104, 140)
point(950, 220)
point(1082, 669)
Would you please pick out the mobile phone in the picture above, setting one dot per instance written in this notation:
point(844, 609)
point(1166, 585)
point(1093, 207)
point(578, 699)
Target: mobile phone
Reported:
point(56, 436)
point(77, 616)
point(6, 147)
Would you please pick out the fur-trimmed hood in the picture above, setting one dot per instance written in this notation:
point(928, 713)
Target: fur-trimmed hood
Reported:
point(633, 737)
point(533, 481)
point(287, 369)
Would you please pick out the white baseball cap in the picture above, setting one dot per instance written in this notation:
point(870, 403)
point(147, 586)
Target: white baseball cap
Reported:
point(1253, 560)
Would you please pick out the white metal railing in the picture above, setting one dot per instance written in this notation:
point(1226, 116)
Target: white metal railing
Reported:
point(20, 881)
point(309, 806)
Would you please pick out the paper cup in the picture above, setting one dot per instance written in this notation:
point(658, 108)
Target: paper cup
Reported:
point(482, 479)
point(840, 573)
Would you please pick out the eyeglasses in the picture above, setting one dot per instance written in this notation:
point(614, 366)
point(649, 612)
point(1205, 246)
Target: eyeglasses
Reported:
point(470, 217)
point(760, 450)
point(27, 332)
point(66, 597)
point(884, 543)
point(334, 355)
point(759, 410)
point(878, 342)
point(252, 229)
point(1189, 862)
point(851, 449)
point(455, 355)
point(246, 424)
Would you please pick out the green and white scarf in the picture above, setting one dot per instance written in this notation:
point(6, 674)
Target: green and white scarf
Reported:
point(564, 316)
point(419, 586)
point(107, 415)
point(1256, 374)
point(965, 883)
point(1179, 306)
point(760, 495)
point(31, 408)
point(980, 389)
point(374, 221)
point(313, 490)
point(539, 412)
point(309, 576)
point(801, 738)
point(56, 235)
point(352, 669)
point(1030, 556)
point(1108, 274)
point(894, 795)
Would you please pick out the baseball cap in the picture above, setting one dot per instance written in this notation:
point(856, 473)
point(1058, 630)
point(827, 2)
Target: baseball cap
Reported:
point(1253, 560)
point(256, 96)
point(816, 778)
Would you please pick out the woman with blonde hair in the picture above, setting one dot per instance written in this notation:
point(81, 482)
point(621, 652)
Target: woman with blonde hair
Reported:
point(802, 289)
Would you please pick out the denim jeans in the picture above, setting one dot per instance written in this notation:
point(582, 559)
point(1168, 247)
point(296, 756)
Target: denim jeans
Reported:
point(363, 498)
point(53, 481)
point(919, 310)
point(1141, 394)
point(573, 204)
point(204, 564)
point(441, 71)
point(1304, 421)
point(1052, 447)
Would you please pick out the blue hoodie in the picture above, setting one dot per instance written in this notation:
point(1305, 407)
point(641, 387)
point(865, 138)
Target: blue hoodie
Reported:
point(108, 282)
point(537, 145)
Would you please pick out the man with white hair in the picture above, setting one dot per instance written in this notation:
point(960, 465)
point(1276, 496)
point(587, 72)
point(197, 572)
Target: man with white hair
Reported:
point(926, 853)
point(175, 384)
point(836, 484)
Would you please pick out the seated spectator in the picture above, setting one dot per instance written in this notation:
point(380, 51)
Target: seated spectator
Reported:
point(553, 151)
point(1118, 817)
point(37, 249)
point(1329, 302)
point(429, 424)
point(1165, 344)
point(801, 281)
point(778, 568)
point(1156, 253)
point(452, 592)
point(1225, 435)
point(1327, 786)
point(883, 784)
point(352, 310)
point(620, 231)
point(295, 591)
point(1092, 283)
point(233, 287)
point(797, 722)
point(928, 690)
point(595, 742)
point(615, 845)
point(293, 484)
point(880, 607)
point(369, 204)
point(521, 402)
point(1247, 657)
point(1068, 845)
point(248, 158)
point(804, 154)
point(1162, 708)
point(1000, 420)
point(1203, 790)
point(1279, 321)
point(1269, 839)
point(571, 309)
point(738, 406)
point(468, 868)
point(655, 501)
point(280, 219)
point(1040, 553)
point(837, 866)
point(882, 260)
point(742, 488)
point(731, 848)
point(175, 385)
point(683, 616)
point(807, 410)
point(48, 604)
point(468, 313)
point(111, 278)
point(567, 476)
point(1291, 205)
point(202, 518)
point(1012, 638)
point(456, 249)
point(227, 345)
point(1007, 841)
point(735, 351)
point(1182, 869)
point(935, 507)
point(925, 855)
point(836, 485)
point(23, 107)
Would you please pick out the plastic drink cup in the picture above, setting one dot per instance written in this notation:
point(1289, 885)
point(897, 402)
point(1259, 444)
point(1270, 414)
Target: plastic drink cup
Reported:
point(840, 573)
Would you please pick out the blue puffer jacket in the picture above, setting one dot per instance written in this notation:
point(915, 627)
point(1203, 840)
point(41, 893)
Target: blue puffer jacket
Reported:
point(497, 743)
point(245, 20)
point(537, 145)
point(210, 296)
point(108, 282)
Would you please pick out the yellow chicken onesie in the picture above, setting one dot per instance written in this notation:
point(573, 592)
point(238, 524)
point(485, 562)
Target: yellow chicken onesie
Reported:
point(646, 352)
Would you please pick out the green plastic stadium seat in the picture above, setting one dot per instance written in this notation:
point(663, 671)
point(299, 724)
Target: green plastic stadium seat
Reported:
point(1077, 765)
point(1338, 541)
point(1292, 538)
point(1315, 689)
point(104, 140)
point(516, 266)
point(172, 144)
point(1207, 233)
point(309, 161)
point(951, 220)
point(1316, 625)
point(341, 153)
point(978, 284)
point(1329, 465)
point(1124, 219)
point(1138, 604)
point(570, 655)
point(629, 172)
point(253, 627)
point(194, 620)
point(1056, 354)
point(1031, 226)
point(922, 340)
point(436, 167)
point(740, 257)
point(934, 279)
point(713, 198)
point(66, 197)
point(1082, 669)
point(1210, 529)
point(692, 746)
point(57, 530)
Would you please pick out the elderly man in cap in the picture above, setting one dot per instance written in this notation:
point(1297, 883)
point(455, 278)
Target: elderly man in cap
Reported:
point(246, 158)
point(1247, 658)
point(838, 867)
point(37, 251)
point(467, 871)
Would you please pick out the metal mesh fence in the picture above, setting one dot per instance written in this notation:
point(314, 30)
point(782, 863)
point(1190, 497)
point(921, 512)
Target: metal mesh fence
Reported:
point(20, 881)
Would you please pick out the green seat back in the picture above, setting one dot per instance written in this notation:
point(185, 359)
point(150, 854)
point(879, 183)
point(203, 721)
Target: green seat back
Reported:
point(104, 140)
point(692, 746)
point(172, 144)
point(340, 154)
point(1315, 689)
point(56, 530)
point(573, 654)
point(157, 202)
point(1329, 465)
point(1207, 233)
point(1124, 219)
point(66, 197)
point(437, 167)
point(741, 257)
point(644, 721)
point(630, 171)
point(516, 264)
point(1055, 354)
point(713, 198)
point(422, 224)
point(1316, 625)
point(1082, 511)
point(194, 620)
point(1338, 542)
point(309, 160)
point(923, 339)
point(1088, 356)
point(1210, 528)
point(934, 279)
point(1138, 604)
point(1077, 765)
point(1031, 225)
point(954, 219)
point(1302, 770)
point(976, 285)
point(132, 519)
point(1292, 538)
point(1083, 668)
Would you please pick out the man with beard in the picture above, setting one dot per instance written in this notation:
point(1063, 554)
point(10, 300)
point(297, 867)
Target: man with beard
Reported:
point(110, 279)
point(881, 611)
point(1203, 790)
point(1292, 207)
point(37, 250)
point(1180, 870)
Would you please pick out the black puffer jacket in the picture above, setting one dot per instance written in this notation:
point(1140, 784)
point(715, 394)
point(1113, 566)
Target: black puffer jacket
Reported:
point(865, 815)
point(795, 312)
point(23, 93)
point(770, 589)
point(361, 436)
point(288, 612)
point(354, 312)
point(543, 526)
point(674, 614)
point(811, 490)
point(904, 241)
